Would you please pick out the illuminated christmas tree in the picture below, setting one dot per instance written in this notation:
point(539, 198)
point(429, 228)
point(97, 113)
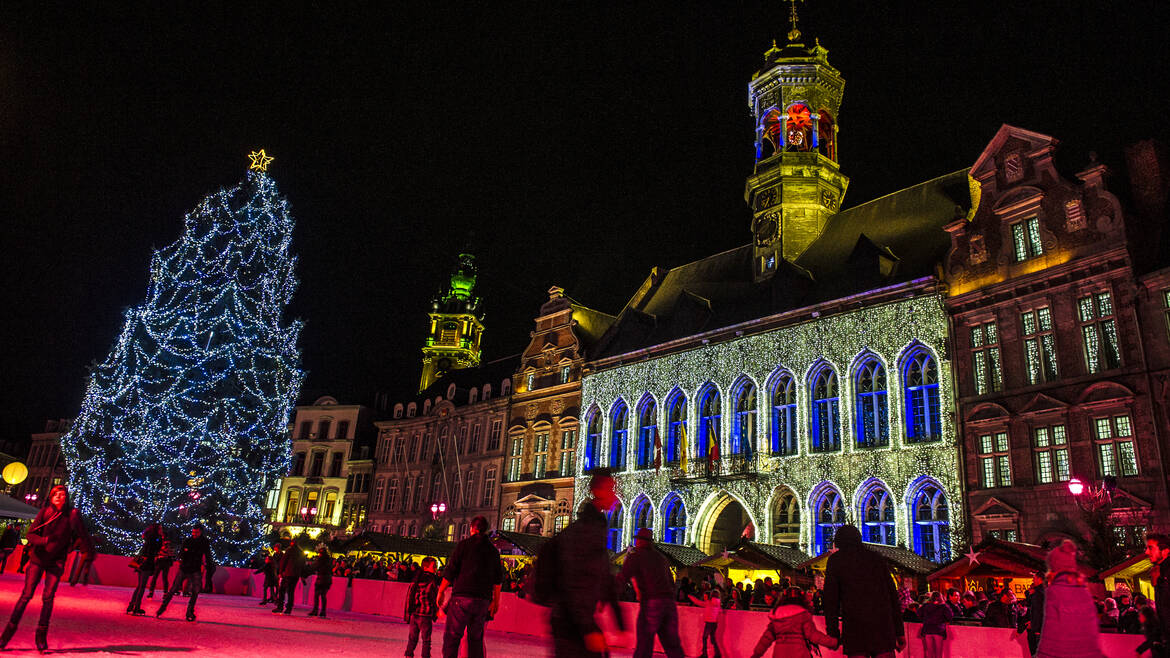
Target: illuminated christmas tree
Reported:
point(186, 421)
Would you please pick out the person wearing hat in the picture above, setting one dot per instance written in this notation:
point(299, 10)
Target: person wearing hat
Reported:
point(1070, 616)
point(653, 582)
point(196, 551)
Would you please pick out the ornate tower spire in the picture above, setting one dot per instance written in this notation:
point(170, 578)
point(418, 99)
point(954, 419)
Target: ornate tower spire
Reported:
point(456, 326)
point(796, 185)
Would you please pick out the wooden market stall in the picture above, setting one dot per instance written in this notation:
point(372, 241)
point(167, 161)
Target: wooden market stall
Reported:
point(1133, 572)
point(397, 548)
point(683, 560)
point(995, 560)
point(748, 560)
point(904, 564)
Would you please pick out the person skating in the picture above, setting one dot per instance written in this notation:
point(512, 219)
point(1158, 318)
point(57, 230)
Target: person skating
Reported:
point(323, 567)
point(861, 605)
point(653, 582)
point(422, 607)
point(291, 563)
point(162, 566)
point(194, 553)
point(1071, 628)
point(475, 575)
point(271, 571)
point(790, 631)
point(152, 540)
point(54, 530)
point(712, 605)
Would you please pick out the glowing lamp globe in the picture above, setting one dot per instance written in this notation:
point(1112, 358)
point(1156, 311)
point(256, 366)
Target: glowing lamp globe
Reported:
point(1076, 487)
point(15, 473)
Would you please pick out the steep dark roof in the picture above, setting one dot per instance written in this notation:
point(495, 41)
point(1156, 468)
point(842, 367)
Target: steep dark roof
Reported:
point(591, 324)
point(892, 239)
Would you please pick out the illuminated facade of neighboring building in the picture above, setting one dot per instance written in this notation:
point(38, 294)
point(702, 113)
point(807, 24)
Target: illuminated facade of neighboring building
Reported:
point(802, 381)
point(536, 494)
point(312, 497)
point(46, 468)
point(456, 326)
point(1061, 341)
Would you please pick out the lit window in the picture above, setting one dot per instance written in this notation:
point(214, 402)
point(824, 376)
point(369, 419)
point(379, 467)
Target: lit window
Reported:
point(1050, 452)
point(784, 416)
point(619, 418)
point(924, 417)
point(877, 513)
point(873, 409)
point(1004, 534)
point(647, 431)
point(515, 455)
point(510, 524)
point(932, 528)
point(995, 465)
point(593, 441)
point(616, 519)
point(676, 421)
point(1099, 332)
point(565, 374)
point(743, 430)
point(1039, 345)
point(826, 414)
point(568, 450)
point(710, 413)
point(540, 455)
point(531, 381)
point(676, 521)
point(1113, 437)
point(561, 522)
point(785, 519)
point(643, 515)
point(985, 358)
point(830, 515)
point(1026, 239)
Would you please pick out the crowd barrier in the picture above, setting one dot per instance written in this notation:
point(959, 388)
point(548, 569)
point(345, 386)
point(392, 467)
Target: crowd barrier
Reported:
point(738, 629)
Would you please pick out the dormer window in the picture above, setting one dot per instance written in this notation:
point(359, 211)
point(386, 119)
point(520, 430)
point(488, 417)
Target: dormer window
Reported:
point(1013, 168)
point(531, 383)
point(565, 374)
point(1026, 239)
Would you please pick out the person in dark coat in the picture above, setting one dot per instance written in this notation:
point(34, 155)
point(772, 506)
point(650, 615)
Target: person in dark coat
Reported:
point(1032, 622)
point(475, 575)
point(8, 542)
point(422, 607)
point(1157, 550)
point(1001, 613)
point(650, 574)
point(54, 530)
point(861, 605)
point(162, 567)
point(152, 540)
point(271, 571)
point(193, 556)
point(291, 564)
point(585, 580)
point(323, 567)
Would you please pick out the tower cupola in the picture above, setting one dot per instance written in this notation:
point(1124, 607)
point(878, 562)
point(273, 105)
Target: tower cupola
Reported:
point(456, 326)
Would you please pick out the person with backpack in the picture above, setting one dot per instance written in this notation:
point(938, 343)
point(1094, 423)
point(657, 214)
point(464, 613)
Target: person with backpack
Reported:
point(422, 607)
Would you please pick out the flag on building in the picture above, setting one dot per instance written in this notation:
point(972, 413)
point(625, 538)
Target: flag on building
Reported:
point(657, 450)
point(682, 446)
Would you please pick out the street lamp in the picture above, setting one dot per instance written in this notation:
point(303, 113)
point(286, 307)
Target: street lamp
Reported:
point(437, 509)
point(307, 513)
point(1093, 497)
point(30, 498)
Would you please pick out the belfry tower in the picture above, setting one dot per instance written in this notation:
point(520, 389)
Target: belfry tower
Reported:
point(797, 184)
point(456, 326)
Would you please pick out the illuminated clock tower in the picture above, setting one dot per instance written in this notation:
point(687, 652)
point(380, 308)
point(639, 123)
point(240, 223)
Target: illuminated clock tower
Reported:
point(456, 328)
point(796, 185)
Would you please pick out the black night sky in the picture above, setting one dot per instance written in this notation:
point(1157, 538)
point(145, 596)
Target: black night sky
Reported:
point(577, 144)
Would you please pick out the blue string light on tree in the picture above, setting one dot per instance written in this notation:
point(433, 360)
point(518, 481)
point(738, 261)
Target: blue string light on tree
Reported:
point(186, 420)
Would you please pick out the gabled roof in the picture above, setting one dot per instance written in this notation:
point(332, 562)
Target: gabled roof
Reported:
point(790, 557)
point(381, 542)
point(1037, 141)
point(900, 559)
point(905, 228)
point(679, 557)
point(517, 543)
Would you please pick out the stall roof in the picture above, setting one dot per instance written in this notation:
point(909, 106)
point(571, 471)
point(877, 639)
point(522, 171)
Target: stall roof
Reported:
point(1128, 568)
point(901, 559)
point(11, 508)
point(997, 557)
point(517, 543)
point(750, 555)
point(786, 555)
point(679, 557)
point(380, 542)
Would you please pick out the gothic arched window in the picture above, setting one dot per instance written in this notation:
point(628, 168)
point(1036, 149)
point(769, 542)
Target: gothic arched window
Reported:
point(873, 408)
point(643, 514)
point(676, 420)
point(932, 527)
point(675, 513)
point(593, 441)
point(647, 432)
point(877, 514)
point(743, 430)
point(785, 518)
point(710, 415)
point(616, 520)
point(923, 416)
point(829, 514)
point(826, 412)
point(619, 419)
point(798, 135)
point(783, 436)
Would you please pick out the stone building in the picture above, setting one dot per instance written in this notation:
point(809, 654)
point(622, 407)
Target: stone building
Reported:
point(311, 498)
point(1060, 333)
point(46, 467)
point(801, 381)
point(536, 494)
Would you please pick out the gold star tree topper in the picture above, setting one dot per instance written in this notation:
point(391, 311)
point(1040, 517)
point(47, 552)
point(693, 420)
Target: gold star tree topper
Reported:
point(260, 160)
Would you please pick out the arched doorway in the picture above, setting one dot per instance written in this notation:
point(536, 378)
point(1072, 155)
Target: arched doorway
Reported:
point(534, 526)
point(723, 524)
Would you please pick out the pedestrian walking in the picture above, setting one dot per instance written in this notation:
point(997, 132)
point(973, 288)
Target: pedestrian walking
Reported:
point(1070, 615)
point(935, 615)
point(8, 542)
point(271, 571)
point(422, 607)
point(54, 530)
point(291, 563)
point(162, 566)
point(791, 631)
point(323, 567)
point(649, 572)
point(1157, 550)
point(152, 540)
point(862, 608)
point(712, 605)
point(474, 574)
point(581, 571)
point(194, 554)
point(1032, 621)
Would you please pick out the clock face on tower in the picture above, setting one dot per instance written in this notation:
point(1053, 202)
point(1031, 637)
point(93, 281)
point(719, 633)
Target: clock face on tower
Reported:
point(444, 364)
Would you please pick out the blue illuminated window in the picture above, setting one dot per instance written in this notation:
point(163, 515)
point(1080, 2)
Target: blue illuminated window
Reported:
point(676, 420)
point(783, 416)
point(829, 516)
point(710, 413)
point(676, 520)
point(647, 429)
point(873, 409)
point(593, 441)
point(743, 431)
point(932, 529)
point(619, 418)
point(923, 417)
point(826, 412)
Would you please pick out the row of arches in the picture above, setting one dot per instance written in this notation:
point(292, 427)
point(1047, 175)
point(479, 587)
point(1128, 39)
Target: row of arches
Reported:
point(920, 519)
point(820, 396)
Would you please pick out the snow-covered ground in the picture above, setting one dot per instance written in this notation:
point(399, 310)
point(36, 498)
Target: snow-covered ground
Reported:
point(92, 620)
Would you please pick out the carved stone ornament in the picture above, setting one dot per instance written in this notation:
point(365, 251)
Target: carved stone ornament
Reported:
point(531, 411)
point(558, 405)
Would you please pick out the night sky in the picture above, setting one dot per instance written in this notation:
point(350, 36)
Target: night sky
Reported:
point(576, 144)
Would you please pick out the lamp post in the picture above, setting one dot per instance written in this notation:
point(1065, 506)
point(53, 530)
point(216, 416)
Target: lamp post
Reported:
point(31, 498)
point(1093, 497)
point(438, 509)
point(308, 513)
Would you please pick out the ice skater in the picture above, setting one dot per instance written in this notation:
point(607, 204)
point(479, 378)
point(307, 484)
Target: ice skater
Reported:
point(195, 552)
point(152, 541)
point(55, 529)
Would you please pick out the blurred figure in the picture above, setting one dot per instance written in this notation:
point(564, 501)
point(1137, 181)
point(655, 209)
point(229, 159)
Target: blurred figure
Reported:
point(791, 631)
point(1070, 616)
point(323, 568)
point(935, 614)
point(193, 555)
point(475, 574)
point(8, 542)
point(649, 572)
point(162, 566)
point(152, 540)
point(292, 561)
